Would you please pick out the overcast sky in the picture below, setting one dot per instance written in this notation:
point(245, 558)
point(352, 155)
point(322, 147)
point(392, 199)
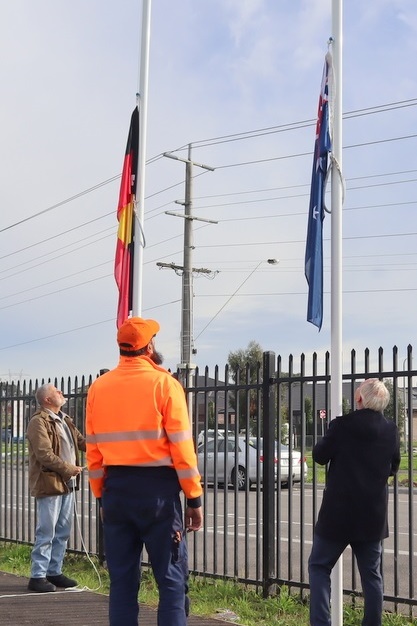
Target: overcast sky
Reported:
point(238, 80)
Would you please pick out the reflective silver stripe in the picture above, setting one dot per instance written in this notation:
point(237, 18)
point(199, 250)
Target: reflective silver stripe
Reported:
point(188, 473)
point(167, 461)
point(183, 435)
point(126, 435)
point(96, 473)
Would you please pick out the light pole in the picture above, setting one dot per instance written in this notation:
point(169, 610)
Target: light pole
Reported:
point(269, 261)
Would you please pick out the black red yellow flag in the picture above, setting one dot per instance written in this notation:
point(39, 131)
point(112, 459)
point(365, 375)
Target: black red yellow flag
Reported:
point(123, 266)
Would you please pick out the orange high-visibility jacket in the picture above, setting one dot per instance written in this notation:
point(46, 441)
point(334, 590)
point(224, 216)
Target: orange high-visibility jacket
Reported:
point(137, 415)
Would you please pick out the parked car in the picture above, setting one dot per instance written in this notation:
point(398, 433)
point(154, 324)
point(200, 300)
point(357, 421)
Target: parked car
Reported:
point(234, 466)
point(298, 465)
point(239, 466)
point(210, 433)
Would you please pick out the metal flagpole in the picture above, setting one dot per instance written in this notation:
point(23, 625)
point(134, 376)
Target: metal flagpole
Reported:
point(336, 371)
point(140, 200)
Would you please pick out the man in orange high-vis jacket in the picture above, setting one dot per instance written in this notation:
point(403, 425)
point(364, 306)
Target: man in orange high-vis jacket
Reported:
point(140, 455)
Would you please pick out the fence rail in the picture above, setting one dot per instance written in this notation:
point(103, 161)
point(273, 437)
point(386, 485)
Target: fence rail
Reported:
point(260, 503)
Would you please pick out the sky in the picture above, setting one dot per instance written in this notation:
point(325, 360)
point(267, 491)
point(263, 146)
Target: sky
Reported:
point(239, 81)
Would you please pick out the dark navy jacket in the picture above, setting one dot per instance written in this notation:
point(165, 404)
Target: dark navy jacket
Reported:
point(363, 451)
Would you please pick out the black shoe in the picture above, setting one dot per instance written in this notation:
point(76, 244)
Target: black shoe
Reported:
point(40, 585)
point(62, 581)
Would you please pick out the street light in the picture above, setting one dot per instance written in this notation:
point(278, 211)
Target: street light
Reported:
point(269, 261)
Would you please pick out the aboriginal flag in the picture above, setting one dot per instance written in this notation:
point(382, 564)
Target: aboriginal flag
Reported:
point(123, 266)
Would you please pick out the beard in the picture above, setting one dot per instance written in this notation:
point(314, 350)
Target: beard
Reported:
point(157, 357)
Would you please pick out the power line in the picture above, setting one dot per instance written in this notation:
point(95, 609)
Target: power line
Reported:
point(59, 204)
point(300, 195)
point(178, 236)
point(48, 260)
point(56, 280)
point(264, 190)
point(302, 154)
point(73, 330)
point(249, 295)
point(346, 268)
point(294, 241)
point(234, 204)
point(223, 139)
point(303, 213)
point(65, 232)
point(383, 108)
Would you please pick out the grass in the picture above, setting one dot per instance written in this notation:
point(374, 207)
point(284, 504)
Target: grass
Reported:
point(402, 473)
point(234, 602)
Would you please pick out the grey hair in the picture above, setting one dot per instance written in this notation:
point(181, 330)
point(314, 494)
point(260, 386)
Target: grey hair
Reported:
point(42, 393)
point(374, 394)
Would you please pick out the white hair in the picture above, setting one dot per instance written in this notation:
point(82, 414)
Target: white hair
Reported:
point(374, 394)
point(42, 393)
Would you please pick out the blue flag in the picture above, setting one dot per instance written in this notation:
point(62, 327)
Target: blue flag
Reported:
point(314, 245)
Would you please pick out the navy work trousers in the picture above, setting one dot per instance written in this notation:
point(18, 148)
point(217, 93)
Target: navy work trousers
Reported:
point(323, 557)
point(141, 507)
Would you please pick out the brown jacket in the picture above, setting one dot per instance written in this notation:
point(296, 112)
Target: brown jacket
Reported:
point(48, 473)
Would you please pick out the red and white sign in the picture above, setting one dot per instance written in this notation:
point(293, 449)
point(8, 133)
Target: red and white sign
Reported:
point(322, 414)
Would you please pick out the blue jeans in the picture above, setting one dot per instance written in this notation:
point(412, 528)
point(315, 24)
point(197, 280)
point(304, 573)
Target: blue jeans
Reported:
point(141, 509)
point(323, 557)
point(54, 519)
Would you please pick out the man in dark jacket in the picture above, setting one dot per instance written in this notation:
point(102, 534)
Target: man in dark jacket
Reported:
point(54, 467)
point(362, 449)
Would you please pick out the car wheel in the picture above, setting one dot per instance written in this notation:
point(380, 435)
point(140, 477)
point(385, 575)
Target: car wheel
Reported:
point(239, 478)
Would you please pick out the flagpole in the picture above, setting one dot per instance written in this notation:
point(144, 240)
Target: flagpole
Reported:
point(140, 201)
point(336, 371)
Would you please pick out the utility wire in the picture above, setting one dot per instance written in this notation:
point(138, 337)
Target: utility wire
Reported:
point(224, 139)
point(383, 108)
point(302, 154)
point(72, 330)
point(293, 241)
point(267, 189)
point(238, 203)
point(346, 268)
point(203, 246)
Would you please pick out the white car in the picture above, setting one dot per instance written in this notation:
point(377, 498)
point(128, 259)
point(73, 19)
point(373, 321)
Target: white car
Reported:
point(298, 465)
point(239, 466)
point(211, 433)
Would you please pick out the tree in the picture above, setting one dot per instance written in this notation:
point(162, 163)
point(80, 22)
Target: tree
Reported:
point(345, 406)
point(392, 411)
point(244, 367)
point(308, 413)
point(211, 418)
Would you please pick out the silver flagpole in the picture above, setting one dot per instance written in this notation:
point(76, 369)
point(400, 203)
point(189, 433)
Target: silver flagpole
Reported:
point(336, 371)
point(140, 200)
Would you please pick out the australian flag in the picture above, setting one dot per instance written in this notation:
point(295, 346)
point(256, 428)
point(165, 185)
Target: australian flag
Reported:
point(314, 246)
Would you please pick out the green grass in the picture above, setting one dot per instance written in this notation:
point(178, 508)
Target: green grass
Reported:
point(209, 598)
point(402, 473)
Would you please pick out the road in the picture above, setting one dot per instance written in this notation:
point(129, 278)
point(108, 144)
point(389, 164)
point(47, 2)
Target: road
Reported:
point(231, 542)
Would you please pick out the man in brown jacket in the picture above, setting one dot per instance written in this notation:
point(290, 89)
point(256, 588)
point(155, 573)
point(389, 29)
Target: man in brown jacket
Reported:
point(54, 467)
